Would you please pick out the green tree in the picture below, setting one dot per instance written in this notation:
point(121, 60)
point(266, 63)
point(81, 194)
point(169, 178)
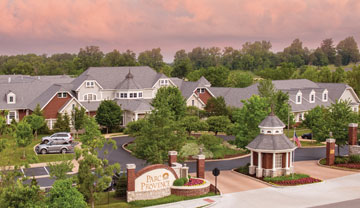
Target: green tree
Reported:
point(64, 195)
point(193, 123)
point(216, 106)
point(348, 50)
point(210, 142)
point(133, 128)
point(91, 56)
point(152, 58)
point(36, 122)
point(247, 119)
point(121, 186)
point(171, 98)
point(23, 135)
point(217, 76)
point(77, 119)
point(182, 64)
point(240, 79)
point(353, 79)
point(62, 123)
point(109, 114)
point(317, 120)
point(218, 123)
point(21, 195)
point(3, 124)
point(58, 170)
point(320, 58)
point(327, 46)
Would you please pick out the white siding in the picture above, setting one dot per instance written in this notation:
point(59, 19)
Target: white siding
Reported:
point(85, 90)
point(196, 101)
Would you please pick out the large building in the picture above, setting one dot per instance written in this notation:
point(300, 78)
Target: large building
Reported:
point(133, 88)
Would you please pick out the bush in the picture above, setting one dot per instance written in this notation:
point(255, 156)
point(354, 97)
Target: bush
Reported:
point(341, 160)
point(180, 181)
point(354, 158)
point(243, 169)
point(133, 128)
point(210, 142)
point(121, 186)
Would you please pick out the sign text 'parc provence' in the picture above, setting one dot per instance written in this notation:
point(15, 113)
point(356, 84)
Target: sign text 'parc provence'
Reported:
point(154, 180)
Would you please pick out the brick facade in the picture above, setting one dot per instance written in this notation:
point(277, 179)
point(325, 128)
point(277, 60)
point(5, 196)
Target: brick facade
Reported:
point(267, 160)
point(172, 157)
point(205, 96)
point(353, 133)
point(130, 168)
point(190, 192)
point(330, 151)
point(22, 114)
point(200, 166)
point(52, 108)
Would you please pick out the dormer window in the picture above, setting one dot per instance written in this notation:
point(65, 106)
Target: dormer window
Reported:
point(312, 97)
point(11, 98)
point(62, 95)
point(298, 97)
point(164, 82)
point(200, 90)
point(89, 84)
point(325, 96)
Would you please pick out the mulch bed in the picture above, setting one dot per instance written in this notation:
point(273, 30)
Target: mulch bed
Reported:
point(349, 165)
point(296, 182)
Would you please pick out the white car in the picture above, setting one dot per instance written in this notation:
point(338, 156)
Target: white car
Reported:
point(60, 136)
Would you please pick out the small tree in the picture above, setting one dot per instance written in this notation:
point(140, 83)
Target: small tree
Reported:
point(58, 170)
point(193, 123)
point(62, 123)
point(2, 124)
point(218, 123)
point(216, 106)
point(121, 186)
point(78, 115)
point(36, 122)
point(38, 111)
point(317, 120)
point(23, 135)
point(109, 114)
point(64, 195)
point(133, 128)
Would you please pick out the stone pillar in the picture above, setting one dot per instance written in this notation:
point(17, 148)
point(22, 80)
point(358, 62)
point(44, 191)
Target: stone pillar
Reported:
point(172, 157)
point(200, 166)
point(259, 170)
point(130, 169)
point(353, 133)
point(184, 172)
point(252, 168)
point(330, 151)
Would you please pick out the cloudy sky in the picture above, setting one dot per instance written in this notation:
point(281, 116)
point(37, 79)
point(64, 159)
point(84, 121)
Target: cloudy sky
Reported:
point(54, 26)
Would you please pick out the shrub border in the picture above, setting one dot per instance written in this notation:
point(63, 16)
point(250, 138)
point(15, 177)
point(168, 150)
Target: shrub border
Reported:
point(335, 167)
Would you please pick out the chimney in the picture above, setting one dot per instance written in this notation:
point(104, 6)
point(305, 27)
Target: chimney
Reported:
point(9, 79)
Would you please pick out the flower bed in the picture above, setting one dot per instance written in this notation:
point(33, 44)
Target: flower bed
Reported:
point(194, 182)
point(350, 162)
point(349, 165)
point(295, 182)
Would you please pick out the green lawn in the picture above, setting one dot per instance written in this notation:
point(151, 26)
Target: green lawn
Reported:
point(117, 202)
point(12, 154)
point(286, 178)
point(299, 132)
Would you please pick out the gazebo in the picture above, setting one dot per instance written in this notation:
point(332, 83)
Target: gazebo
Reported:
point(271, 150)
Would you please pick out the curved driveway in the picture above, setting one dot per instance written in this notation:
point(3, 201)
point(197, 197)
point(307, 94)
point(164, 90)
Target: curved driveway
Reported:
point(123, 157)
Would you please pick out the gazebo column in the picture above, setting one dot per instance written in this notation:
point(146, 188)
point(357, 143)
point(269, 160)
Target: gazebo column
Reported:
point(291, 160)
point(252, 168)
point(287, 169)
point(273, 172)
point(259, 170)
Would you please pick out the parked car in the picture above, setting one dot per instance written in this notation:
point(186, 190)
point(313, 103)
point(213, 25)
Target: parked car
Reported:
point(54, 147)
point(307, 136)
point(63, 136)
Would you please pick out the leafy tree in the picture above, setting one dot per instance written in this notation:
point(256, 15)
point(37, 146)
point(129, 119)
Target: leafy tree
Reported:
point(216, 106)
point(210, 142)
point(64, 195)
point(348, 50)
point(325, 75)
point(121, 186)
point(58, 170)
point(240, 79)
point(115, 58)
point(109, 114)
point(152, 58)
point(182, 64)
point(171, 98)
point(36, 122)
point(89, 57)
point(217, 76)
point(195, 111)
point(194, 75)
point(160, 134)
point(23, 135)
point(317, 120)
point(247, 119)
point(62, 123)
point(78, 116)
point(3, 124)
point(218, 123)
point(327, 46)
point(193, 123)
point(21, 196)
point(320, 58)
point(133, 128)
point(353, 78)
point(2, 144)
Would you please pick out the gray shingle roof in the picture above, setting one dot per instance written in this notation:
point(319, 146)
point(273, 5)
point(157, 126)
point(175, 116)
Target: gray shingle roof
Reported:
point(188, 87)
point(129, 83)
point(110, 77)
point(271, 142)
point(272, 121)
point(126, 104)
point(335, 89)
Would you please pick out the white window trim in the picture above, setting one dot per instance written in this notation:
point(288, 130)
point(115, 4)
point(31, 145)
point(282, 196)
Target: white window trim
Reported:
point(325, 94)
point(312, 94)
point(90, 83)
point(62, 94)
point(118, 95)
point(11, 94)
point(87, 97)
point(164, 82)
point(16, 117)
point(296, 98)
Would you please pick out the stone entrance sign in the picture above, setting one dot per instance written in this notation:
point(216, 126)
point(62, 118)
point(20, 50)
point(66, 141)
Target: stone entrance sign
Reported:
point(151, 182)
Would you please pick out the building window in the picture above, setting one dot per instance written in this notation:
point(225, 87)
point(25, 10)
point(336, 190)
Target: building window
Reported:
point(89, 83)
point(90, 97)
point(300, 116)
point(62, 95)
point(278, 161)
point(11, 98)
point(325, 96)
point(193, 102)
point(131, 95)
point(312, 97)
point(11, 116)
point(73, 106)
point(164, 82)
point(269, 132)
point(140, 94)
point(298, 98)
point(200, 90)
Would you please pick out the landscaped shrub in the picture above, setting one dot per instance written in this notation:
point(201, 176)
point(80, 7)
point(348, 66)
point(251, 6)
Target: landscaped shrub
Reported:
point(341, 160)
point(121, 186)
point(209, 141)
point(134, 127)
point(354, 158)
point(243, 169)
point(180, 181)
point(191, 149)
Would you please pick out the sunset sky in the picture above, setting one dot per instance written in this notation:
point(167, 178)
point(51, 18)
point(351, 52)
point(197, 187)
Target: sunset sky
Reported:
point(56, 26)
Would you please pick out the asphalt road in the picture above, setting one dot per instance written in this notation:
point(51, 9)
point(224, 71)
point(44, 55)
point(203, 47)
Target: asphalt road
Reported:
point(123, 157)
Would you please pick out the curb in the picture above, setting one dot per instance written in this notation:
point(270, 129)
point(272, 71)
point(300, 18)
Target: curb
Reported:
point(276, 186)
point(337, 168)
point(209, 160)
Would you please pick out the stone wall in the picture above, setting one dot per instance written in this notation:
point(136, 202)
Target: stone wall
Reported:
point(354, 150)
point(145, 195)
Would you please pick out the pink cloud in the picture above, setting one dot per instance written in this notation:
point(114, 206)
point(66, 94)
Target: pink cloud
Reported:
point(52, 26)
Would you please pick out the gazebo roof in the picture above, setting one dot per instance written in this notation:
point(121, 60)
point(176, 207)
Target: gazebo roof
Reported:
point(271, 121)
point(271, 142)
